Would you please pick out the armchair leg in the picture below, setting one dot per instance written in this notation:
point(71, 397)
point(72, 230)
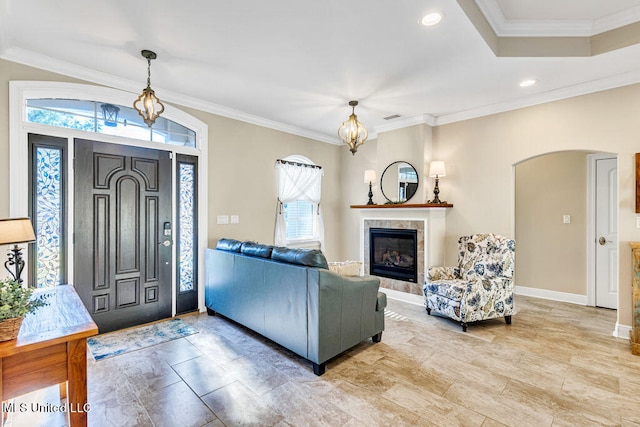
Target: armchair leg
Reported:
point(507, 320)
point(377, 337)
point(464, 326)
point(428, 311)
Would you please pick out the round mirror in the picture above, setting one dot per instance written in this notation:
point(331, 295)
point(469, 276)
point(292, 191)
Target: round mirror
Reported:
point(399, 182)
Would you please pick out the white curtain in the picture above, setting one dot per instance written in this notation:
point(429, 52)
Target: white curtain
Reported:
point(297, 182)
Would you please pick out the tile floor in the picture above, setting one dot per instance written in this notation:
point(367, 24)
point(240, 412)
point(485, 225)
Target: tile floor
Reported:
point(556, 365)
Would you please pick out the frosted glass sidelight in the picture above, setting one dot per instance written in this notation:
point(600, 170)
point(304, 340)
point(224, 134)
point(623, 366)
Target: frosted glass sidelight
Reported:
point(48, 206)
point(186, 213)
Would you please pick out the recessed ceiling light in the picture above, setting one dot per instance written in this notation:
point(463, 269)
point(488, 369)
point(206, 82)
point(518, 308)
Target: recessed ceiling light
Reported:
point(432, 18)
point(528, 82)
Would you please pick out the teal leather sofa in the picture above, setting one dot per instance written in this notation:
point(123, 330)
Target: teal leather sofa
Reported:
point(291, 297)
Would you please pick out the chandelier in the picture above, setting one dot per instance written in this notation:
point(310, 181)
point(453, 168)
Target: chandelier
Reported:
point(148, 105)
point(352, 132)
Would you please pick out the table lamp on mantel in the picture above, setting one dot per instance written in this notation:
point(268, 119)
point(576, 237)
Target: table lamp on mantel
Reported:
point(437, 170)
point(14, 231)
point(370, 177)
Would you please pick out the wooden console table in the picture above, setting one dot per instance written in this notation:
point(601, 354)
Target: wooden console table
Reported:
point(51, 349)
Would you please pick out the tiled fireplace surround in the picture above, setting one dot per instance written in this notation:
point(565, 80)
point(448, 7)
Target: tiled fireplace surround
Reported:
point(430, 226)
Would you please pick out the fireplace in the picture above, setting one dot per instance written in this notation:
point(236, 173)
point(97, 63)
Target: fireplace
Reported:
point(393, 253)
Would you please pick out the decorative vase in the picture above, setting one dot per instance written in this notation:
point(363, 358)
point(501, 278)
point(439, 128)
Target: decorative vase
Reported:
point(9, 328)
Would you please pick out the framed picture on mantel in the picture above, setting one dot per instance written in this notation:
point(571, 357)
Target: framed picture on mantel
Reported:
point(637, 182)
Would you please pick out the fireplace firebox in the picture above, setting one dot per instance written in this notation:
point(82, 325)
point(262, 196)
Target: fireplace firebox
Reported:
point(393, 253)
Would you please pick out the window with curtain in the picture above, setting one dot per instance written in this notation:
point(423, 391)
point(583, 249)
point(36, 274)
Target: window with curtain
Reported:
point(299, 215)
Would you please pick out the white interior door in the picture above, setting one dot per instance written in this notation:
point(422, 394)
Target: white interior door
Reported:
point(606, 233)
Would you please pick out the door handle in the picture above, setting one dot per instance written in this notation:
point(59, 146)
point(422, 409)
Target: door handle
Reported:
point(166, 243)
point(603, 241)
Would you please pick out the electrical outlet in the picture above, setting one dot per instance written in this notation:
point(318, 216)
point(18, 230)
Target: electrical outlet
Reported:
point(566, 219)
point(235, 219)
point(223, 219)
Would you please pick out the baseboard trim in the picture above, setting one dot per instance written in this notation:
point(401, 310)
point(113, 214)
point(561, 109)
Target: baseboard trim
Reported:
point(404, 296)
point(551, 295)
point(622, 331)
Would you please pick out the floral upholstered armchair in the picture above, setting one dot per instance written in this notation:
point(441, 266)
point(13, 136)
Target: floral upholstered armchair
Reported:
point(481, 287)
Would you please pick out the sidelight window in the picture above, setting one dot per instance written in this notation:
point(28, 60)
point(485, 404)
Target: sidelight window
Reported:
point(187, 242)
point(47, 201)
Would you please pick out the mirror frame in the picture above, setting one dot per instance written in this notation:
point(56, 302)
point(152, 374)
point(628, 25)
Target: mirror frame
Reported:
point(382, 179)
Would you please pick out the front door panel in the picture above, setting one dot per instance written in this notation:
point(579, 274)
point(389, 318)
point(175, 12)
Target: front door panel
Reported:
point(122, 199)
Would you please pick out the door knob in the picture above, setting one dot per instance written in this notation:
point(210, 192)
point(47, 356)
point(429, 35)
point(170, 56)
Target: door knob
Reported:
point(603, 241)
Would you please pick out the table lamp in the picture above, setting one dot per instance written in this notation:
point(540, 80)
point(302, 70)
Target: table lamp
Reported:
point(436, 170)
point(15, 231)
point(370, 177)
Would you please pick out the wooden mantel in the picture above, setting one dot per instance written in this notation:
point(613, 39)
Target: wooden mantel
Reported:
point(404, 206)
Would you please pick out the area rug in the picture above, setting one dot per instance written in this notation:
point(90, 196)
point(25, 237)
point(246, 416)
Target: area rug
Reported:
point(120, 342)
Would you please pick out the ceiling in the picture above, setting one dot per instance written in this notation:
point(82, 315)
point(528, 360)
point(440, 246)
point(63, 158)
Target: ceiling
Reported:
point(294, 65)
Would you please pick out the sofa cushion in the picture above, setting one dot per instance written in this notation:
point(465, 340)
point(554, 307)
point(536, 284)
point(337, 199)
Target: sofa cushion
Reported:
point(256, 249)
point(230, 245)
point(306, 257)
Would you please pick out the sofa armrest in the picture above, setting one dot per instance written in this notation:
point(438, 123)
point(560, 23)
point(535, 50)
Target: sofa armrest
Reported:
point(381, 302)
point(443, 273)
point(341, 312)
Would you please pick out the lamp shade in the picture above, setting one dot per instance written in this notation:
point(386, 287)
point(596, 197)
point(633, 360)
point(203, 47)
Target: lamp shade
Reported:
point(437, 169)
point(369, 176)
point(16, 230)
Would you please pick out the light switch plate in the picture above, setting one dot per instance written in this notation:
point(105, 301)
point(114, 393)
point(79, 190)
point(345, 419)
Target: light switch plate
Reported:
point(637, 221)
point(223, 219)
point(235, 219)
point(566, 219)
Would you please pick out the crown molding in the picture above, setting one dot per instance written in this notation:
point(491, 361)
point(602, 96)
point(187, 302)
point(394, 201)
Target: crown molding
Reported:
point(504, 27)
point(97, 77)
point(404, 122)
point(586, 88)
point(617, 20)
point(93, 76)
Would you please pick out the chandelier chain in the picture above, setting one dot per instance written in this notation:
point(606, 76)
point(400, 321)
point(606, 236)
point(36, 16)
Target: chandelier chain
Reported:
point(148, 72)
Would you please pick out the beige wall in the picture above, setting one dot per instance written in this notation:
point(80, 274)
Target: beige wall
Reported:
point(241, 169)
point(547, 188)
point(480, 156)
point(242, 179)
point(355, 192)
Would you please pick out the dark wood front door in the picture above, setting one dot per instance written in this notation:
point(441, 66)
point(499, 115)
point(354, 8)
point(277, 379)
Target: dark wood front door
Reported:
point(123, 233)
